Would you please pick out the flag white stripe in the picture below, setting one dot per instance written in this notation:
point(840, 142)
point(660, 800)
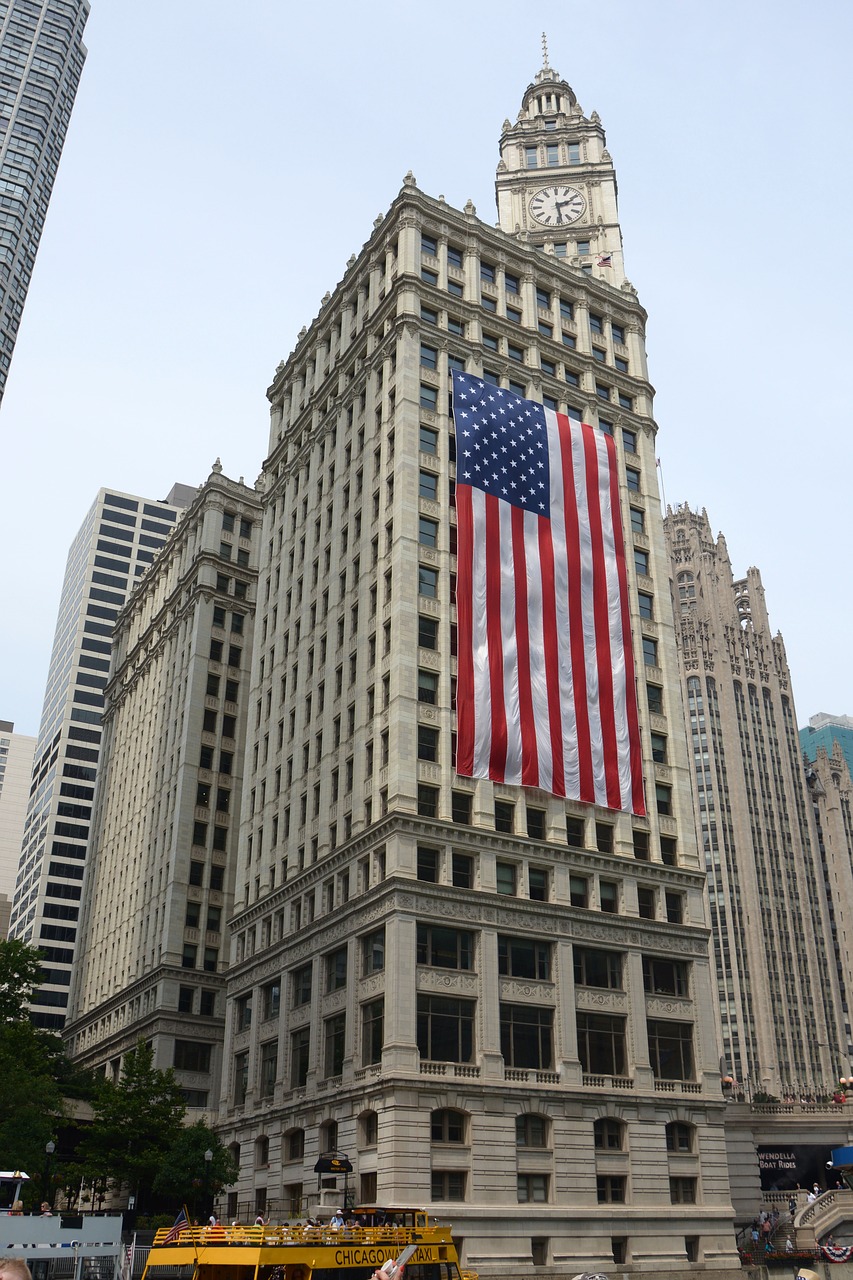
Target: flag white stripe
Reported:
point(509, 674)
point(536, 642)
point(482, 691)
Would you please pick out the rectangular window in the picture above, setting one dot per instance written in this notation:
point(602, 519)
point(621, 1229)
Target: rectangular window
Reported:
point(454, 257)
point(646, 902)
point(300, 1048)
point(575, 833)
point(601, 1043)
point(427, 532)
point(682, 1190)
point(504, 816)
point(428, 485)
point(594, 968)
point(269, 1068)
point(427, 801)
point(428, 397)
point(301, 986)
point(427, 864)
point(463, 871)
point(671, 1049)
point(654, 697)
point(487, 272)
point(608, 896)
point(674, 907)
point(271, 998)
point(428, 440)
point(513, 314)
point(641, 562)
point(531, 160)
point(373, 952)
point(241, 1077)
point(663, 798)
point(427, 687)
point(646, 607)
point(579, 891)
point(336, 970)
point(526, 1037)
point(443, 948)
point(659, 748)
point(665, 977)
point(524, 958)
point(445, 1029)
point(632, 478)
point(511, 283)
point(334, 1039)
point(429, 357)
point(650, 650)
point(538, 884)
point(604, 837)
point(372, 1032)
point(532, 1188)
point(447, 1186)
point(461, 807)
point(505, 879)
point(427, 632)
point(610, 1188)
point(429, 245)
point(427, 743)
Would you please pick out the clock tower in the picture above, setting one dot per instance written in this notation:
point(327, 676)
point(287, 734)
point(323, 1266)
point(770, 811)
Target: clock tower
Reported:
point(556, 185)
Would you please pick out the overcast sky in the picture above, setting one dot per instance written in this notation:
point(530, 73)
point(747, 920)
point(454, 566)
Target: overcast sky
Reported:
point(224, 160)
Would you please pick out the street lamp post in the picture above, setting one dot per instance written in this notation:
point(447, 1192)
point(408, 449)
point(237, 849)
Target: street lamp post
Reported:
point(49, 1149)
point(208, 1201)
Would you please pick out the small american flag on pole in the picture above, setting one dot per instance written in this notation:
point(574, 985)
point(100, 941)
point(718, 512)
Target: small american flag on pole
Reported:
point(181, 1222)
point(545, 681)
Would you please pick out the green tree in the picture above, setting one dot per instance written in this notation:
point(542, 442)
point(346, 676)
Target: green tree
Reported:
point(187, 1178)
point(136, 1122)
point(32, 1067)
point(20, 973)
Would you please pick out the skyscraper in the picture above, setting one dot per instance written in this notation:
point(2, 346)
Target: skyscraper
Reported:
point(41, 45)
point(16, 766)
point(489, 999)
point(777, 978)
point(824, 731)
point(116, 543)
point(152, 958)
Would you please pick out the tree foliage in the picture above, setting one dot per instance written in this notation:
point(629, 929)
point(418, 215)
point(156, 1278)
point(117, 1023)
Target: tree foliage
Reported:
point(136, 1121)
point(32, 1066)
point(20, 973)
point(185, 1176)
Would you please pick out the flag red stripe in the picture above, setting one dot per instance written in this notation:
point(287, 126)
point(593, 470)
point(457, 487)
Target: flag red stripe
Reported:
point(464, 633)
point(497, 753)
point(552, 660)
point(586, 783)
point(601, 612)
point(529, 755)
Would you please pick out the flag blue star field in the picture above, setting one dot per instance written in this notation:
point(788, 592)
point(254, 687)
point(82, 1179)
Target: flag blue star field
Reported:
point(545, 693)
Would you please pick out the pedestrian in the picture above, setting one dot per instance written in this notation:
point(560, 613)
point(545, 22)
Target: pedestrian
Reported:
point(14, 1269)
point(46, 1211)
point(789, 1245)
point(260, 1221)
point(792, 1205)
point(337, 1219)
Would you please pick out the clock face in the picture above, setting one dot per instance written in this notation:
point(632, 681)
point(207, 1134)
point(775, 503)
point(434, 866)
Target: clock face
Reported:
point(557, 206)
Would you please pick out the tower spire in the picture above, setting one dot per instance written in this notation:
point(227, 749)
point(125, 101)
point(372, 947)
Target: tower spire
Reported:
point(545, 66)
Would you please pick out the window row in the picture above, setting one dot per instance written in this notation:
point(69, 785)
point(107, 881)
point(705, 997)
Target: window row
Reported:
point(445, 1032)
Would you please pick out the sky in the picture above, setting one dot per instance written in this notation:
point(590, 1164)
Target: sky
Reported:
point(224, 160)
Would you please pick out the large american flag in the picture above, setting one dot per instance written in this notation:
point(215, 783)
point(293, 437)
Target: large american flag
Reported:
point(545, 682)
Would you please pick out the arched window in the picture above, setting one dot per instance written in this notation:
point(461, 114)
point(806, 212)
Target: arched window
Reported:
point(531, 1131)
point(679, 1137)
point(608, 1134)
point(447, 1125)
point(294, 1144)
point(368, 1129)
point(329, 1136)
